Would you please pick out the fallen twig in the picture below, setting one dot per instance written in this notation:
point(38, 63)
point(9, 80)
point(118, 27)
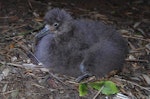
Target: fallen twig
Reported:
point(133, 83)
point(13, 28)
point(12, 64)
point(21, 66)
point(148, 40)
point(98, 92)
point(8, 92)
point(137, 60)
point(30, 5)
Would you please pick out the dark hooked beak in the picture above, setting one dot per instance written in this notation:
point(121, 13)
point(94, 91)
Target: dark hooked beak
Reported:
point(43, 32)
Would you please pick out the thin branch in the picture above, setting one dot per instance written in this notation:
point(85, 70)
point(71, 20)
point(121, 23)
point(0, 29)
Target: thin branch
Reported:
point(148, 40)
point(12, 64)
point(135, 84)
point(30, 5)
point(8, 92)
point(137, 60)
point(98, 93)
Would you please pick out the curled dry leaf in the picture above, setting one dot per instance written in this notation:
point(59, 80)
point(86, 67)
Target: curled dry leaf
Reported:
point(136, 24)
point(121, 96)
point(5, 72)
point(1, 77)
point(14, 58)
point(148, 46)
point(31, 66)
point(131, 57)
point(146, 78)
point(44, 69)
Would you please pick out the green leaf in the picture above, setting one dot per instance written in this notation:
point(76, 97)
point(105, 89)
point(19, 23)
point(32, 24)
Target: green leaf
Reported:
point(97, 85)
point(83, 89)
point(109, 88)
point(106, 87)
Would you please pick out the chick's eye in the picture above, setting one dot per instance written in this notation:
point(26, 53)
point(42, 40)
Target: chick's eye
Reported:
point(55, 24)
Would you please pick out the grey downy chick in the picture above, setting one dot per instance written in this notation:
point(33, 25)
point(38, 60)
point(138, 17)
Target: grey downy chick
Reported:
point(79, 48)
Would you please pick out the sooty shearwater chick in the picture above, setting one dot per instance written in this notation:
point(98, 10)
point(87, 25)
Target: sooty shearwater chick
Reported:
point(79, 48)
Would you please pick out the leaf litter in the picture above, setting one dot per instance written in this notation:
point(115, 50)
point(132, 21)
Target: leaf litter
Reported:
point(20, 79)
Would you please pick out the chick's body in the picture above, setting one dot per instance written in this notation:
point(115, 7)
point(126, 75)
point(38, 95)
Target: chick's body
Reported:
point(76, 47)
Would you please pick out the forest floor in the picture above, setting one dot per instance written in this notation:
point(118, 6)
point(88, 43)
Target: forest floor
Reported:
point(20, 20)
